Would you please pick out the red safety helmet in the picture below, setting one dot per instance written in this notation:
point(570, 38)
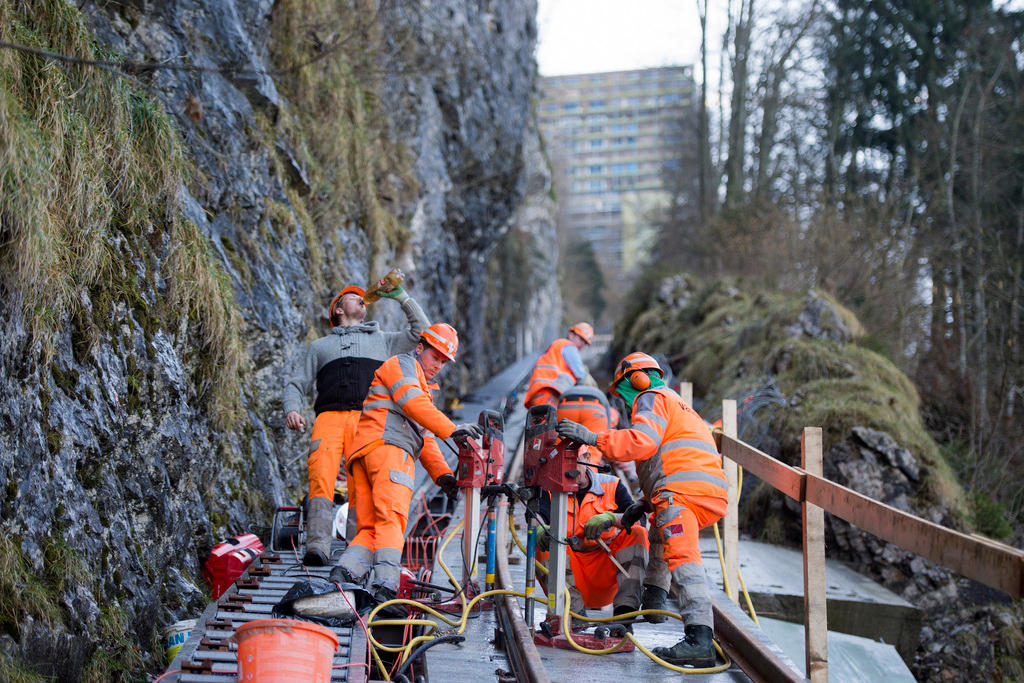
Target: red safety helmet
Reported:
point(630, 367)
point(584, 330)
point(351, 289)
point(443, 337)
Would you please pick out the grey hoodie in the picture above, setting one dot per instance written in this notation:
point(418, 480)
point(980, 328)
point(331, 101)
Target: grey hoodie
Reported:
point(343, 362)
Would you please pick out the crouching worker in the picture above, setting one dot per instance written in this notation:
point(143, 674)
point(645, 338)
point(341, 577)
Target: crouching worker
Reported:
point(596, 511)
point(398, 425)
point(681, 474)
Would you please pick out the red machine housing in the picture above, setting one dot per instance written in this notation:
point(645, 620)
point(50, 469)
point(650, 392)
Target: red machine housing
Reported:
point(483, 462)
point(548, 461)
point(228, 560)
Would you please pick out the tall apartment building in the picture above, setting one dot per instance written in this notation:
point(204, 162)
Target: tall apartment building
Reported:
point(610, 137)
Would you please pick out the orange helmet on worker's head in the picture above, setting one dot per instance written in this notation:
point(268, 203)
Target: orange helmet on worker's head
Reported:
point(443, 337)
point(584, 330)
point(351, 289)
point(634, 367)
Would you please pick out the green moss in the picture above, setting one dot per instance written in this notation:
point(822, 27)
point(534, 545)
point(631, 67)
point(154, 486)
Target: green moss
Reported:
point(118, 657)
point(91, 172)
point(340, 133)
point(13, 672)
point(727, 341)
point(53, 441)
point(67, 381)
point(22, 591)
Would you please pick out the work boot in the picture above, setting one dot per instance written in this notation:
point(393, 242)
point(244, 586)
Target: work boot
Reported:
point(624, 609)
point(654, 598)
point(384, 594)
point(696, 649)
point(319, 531)
point(341, 575)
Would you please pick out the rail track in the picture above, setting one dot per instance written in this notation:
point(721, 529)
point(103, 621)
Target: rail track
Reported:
point(209, 655)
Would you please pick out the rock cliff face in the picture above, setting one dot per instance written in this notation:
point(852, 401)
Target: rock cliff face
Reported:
point(322, 143)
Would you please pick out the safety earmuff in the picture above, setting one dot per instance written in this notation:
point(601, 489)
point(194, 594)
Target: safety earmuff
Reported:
point(639, 379)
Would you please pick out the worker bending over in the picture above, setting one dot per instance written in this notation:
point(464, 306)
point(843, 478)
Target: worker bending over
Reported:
point(596, 511)
point(681, 474)
point(559, 368)
point(397, 426)
point(342, 365)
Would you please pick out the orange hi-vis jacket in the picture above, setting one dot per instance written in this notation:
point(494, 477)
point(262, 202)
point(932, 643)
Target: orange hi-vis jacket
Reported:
point(672, 446)
point(551, 371)
point(398, 410)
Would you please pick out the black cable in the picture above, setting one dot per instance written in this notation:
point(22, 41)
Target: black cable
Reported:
point(421, 648)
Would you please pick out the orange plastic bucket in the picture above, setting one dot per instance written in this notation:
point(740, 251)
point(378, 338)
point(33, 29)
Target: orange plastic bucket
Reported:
point(285, 651)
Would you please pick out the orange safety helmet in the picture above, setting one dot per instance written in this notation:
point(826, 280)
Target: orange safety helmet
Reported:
point(351, 289)
point(631, 366)
point(442, 337)
point(584, 330)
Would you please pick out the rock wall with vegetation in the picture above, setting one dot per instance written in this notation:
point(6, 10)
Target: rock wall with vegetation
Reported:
point(184, 187)
point(795, 361)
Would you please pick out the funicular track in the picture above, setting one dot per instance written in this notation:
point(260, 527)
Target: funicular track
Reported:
point(209, 655)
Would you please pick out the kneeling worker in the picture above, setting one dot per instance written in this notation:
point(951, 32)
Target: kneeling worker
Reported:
point(397, 426)
point(596, 511)
point(681, 474)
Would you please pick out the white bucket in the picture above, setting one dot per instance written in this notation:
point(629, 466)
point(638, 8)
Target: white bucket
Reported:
point(175, 636)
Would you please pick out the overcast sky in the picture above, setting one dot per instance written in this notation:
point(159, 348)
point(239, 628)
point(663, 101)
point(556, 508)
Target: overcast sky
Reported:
point(581, 36)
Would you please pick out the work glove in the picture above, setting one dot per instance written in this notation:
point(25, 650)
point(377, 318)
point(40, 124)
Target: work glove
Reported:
point(448, 485)
point(469, 430)
point(576, 432)
point(398, 294)
point(637, 512)
point(542, 537)
point(598, 524)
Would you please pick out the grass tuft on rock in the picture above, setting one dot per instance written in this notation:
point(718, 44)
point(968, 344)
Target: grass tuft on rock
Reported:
point(90, 173)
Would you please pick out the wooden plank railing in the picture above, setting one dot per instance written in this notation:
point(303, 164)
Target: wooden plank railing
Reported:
point(984, 560)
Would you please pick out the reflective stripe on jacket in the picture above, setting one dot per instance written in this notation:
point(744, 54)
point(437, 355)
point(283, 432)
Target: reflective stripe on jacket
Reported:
point(399, 410)
point(551, 371)
point(671, 444)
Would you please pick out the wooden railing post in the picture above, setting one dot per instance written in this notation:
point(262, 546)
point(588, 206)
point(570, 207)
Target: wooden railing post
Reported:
point(815, 619)
point(732, 528)
point(686, 391)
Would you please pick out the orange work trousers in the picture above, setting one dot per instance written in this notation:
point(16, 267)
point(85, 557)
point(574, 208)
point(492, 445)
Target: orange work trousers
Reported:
point(678, 517)
point(594, 574)
point(381, 482)
point(333, 432)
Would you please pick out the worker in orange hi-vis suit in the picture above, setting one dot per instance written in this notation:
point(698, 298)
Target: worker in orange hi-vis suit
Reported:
point(598, 509)
point(559, 367)
point(398, 425)
point(681, 474)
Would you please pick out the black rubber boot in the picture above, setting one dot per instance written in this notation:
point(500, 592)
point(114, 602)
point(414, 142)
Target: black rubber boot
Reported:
point(654, 598)
point(624, 609)
point(696, 649)
point(341, 575)
point(383, 594)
